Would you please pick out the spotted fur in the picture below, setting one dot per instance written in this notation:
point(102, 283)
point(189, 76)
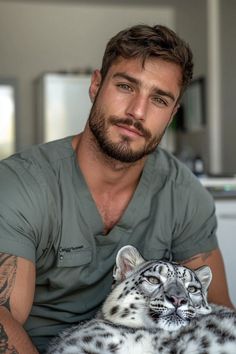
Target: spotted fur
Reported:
point(155, 307)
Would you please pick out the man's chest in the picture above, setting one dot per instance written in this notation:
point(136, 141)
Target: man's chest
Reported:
point(111, 210)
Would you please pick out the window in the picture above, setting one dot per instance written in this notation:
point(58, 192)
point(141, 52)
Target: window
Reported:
point(7, 117)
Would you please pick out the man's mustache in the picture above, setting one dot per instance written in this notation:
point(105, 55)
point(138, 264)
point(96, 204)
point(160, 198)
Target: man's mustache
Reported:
point(131, 122)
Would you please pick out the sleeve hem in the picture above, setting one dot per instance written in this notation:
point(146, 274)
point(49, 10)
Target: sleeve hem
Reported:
point(19, 249)
point(200, 248)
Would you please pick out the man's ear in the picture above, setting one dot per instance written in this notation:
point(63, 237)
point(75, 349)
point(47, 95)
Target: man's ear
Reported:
point(175, 109)
point(95, 84)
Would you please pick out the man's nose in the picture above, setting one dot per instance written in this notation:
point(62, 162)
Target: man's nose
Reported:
point(137, 107)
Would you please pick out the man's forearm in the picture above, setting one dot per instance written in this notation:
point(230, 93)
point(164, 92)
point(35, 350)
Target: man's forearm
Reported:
point(13, 338)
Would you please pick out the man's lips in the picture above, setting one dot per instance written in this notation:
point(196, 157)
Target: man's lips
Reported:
point(129, 129)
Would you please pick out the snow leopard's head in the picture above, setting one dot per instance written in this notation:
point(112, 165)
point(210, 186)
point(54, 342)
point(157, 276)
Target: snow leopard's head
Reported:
point(155, 294)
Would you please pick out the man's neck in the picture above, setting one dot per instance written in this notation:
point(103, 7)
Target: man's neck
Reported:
point(101, 172)
point(111, 183)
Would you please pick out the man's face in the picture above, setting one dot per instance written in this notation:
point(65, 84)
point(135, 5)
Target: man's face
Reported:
point(133, 106)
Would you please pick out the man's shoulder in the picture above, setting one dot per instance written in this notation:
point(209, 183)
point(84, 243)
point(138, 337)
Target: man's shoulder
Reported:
point(50, 152)
point(179, 179)
point(171, 168)
point(37, 167)
point(40, 156)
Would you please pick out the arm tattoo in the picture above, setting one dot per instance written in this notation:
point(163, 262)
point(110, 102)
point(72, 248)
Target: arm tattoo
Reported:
point(8, 266)
point(4, 345)
point(202, 256)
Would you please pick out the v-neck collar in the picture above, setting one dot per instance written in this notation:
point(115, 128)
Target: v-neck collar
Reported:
point(137, 209)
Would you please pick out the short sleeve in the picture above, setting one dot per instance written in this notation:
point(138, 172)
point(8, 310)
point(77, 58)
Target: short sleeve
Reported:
point(195, 231)
point(21, 210)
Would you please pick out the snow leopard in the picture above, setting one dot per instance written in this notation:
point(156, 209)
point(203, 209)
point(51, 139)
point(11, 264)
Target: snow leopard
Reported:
point(155, 307)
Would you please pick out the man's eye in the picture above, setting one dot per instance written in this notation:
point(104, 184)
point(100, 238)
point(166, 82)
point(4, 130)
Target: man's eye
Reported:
point(159, 101)
point(125, 87)
point(153, 280)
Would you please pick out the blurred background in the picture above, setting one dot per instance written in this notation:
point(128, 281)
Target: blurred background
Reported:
point(39, 36)
point(49, 48)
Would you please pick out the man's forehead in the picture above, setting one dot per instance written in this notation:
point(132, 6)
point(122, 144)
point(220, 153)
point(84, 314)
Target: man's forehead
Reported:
point(152, 63)
point(141, 63)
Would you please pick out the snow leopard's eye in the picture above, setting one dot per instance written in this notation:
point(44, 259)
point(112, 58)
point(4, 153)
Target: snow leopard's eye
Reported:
point(153, 280)
point(192, 289)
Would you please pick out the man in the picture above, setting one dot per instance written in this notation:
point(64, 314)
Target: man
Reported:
point(66, 207)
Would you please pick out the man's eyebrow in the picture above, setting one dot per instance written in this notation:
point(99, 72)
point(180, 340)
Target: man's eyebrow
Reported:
point(127, 77)
point(133, 80)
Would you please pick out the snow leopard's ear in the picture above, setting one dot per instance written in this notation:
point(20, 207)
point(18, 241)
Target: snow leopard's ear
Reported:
point(127, 259)
point(204, 274)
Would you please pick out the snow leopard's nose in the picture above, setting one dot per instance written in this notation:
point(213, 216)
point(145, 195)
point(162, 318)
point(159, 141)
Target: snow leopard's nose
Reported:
point(177, 301)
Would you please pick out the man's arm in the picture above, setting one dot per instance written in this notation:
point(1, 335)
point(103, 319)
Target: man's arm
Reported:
point(218, 290)
point(17, 284)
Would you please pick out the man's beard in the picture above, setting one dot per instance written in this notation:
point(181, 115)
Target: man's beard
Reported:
point(121, 150)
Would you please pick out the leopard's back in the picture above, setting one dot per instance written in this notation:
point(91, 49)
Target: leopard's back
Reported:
point(100, 336)
point(213, 334)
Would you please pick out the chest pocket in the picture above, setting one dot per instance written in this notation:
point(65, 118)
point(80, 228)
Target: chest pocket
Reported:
point(73, 256)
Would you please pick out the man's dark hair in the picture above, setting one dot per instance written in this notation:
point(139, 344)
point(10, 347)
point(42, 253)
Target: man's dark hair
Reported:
point(142, 41)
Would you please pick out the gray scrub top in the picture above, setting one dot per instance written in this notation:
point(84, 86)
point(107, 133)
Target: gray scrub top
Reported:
point(48, 216)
